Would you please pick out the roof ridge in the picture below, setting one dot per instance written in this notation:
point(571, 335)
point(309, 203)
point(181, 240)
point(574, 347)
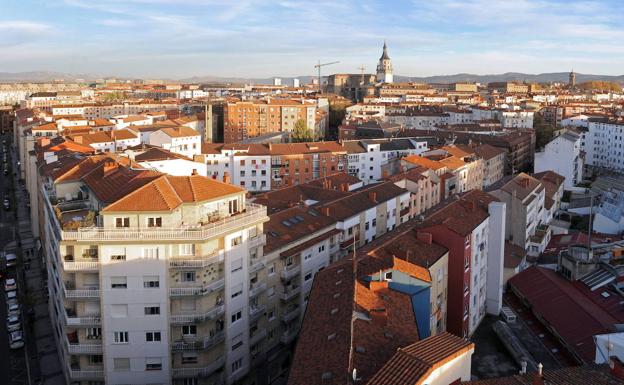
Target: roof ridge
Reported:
point(164, 177)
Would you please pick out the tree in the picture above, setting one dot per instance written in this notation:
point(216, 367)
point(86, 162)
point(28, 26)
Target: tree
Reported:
point(601, 86)
point(544, 132)
point(301, 132)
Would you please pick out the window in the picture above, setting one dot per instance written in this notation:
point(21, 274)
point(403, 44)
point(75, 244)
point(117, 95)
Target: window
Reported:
point(94, 333)
point(119, 282)
point(122, 222)
point(187, 249)
point(189, 330)
point(308, 256)
point(151, 281)
point(121, 364)
point(119, 311)
point(153, 363)
point(236, 365)
point(189, 358)
point(152, 310)
point(154, 222)
point(96, 359)
point(271, 269)
point(121, 337)
point(150, 252)
point(188, 276)
point(236, 316)
point(237, 241)
point(237, 265)
point(321, 248)
point(237, 342)
point(308, 276)
point(152, 336)
point(237, 290)
point(271, 314)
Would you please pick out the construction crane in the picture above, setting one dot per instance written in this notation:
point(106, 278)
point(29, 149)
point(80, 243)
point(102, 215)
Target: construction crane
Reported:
point(362, 68)
point(318, 67)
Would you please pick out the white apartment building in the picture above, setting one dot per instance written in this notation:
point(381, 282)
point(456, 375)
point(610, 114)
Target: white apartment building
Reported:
point(181, 140)
point(249, 165)
point(153, 277)
point(604, 143)
point(564, 156)
point(516, 119)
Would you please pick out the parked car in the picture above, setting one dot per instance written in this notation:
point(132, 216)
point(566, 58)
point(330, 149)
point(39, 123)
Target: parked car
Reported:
point(13, 307)
point(13, 323)
point(16, 340)
point(10, 284)
point(11, 260)
point(11, 295)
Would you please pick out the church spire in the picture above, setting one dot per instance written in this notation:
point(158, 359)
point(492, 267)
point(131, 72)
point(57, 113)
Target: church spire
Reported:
point(385, 52)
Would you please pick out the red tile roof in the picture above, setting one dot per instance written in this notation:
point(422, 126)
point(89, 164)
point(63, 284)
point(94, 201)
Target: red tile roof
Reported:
point(414, 363)
point(575, 375)
point(464, 214)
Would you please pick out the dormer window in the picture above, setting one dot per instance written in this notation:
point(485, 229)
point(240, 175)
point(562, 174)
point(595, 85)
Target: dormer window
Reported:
point(154, 222)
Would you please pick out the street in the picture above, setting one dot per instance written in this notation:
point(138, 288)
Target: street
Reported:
point(37, 362)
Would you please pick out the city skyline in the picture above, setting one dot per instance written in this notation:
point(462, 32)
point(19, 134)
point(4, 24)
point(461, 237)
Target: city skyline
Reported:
point(178, 39)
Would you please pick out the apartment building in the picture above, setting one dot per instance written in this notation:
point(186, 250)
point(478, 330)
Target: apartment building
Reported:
point(525, 197)
point(152, 277)
point(107, 111)
point(159, 159)
point(424, 187)
point(564, 156)
point(604, 142)
point(472, 228)
point(493, 163)
point(249, 119)
point(372, 159)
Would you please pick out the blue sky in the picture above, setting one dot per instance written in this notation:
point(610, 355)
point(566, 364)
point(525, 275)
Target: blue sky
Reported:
point(263, 38)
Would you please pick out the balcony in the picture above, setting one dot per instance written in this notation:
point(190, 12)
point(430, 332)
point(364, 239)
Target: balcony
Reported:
point(181, 319)
point(257, 336)
point(198, 344)
point(253, 213)
point(256, 289)
point(82, 321)
point(256, 241)
point(78, 348)
point(256, 312)
point(196, 262)
point(70, 265)
point(85, 375)
point(197, 290)
point(256, 264)
point(81, 294)
point(288, 336)
point(290, 272)
point(291, 314)
point(204, 371)
point(290, 293)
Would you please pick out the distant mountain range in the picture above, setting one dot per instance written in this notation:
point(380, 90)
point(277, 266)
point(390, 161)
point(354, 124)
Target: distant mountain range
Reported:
point(45, 76)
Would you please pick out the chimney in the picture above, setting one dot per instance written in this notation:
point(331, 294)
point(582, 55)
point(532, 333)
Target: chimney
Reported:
point(226, 177)
point(424, 237)
point(372, 195)
point(44, 142)
point(194, 172)
point(325, 211)
point(538, 378)
point(344, 187)
point(109, 167)
point(617, 367)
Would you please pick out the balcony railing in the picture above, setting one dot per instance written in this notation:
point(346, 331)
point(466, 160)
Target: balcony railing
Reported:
point(252, 214)
point(290, 293)
point(291, 314)
point(255, 265)
point(197, 290)
point(257, 336)
point(204, 371)
point(192, 261)
point(256, 241)
point(256, 289)
point(199, 344)
point(290, 271)
point(85, 375)
point(84, 348)
point(83, 321)
point(180, 319)
point(89, 294)
point(81, 265)
point(256, 312)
